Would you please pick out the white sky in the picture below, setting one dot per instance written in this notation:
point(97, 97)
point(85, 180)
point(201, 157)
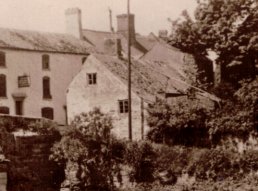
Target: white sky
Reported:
point(48, 15)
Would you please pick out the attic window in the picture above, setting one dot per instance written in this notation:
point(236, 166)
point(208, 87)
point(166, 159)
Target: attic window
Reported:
point(123, 106)
point(45, 62)
point(92, 78)
point(84, 59)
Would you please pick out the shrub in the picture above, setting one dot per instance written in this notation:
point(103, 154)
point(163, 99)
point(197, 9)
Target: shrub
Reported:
point(182, 123)
point(87, 149)
point(141, 157)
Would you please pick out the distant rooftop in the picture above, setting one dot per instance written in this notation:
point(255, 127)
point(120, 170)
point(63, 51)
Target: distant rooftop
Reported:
point(43, 41)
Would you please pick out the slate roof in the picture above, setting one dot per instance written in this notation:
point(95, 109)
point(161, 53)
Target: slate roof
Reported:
point(43, 41)
point(147, 78)
point(177, 60)
point(97, 38)
point(148, 42)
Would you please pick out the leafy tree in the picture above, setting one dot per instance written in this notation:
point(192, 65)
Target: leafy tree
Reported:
point(238, 115)
point(86, 151)
point(228, 27)
point(180, 123)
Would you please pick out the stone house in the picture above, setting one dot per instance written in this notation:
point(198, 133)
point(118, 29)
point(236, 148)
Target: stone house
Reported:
point(35, 70)
point(158, 70)
point(102, 82)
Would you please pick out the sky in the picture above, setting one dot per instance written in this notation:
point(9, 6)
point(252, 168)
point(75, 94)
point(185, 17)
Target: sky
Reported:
point(48, 15)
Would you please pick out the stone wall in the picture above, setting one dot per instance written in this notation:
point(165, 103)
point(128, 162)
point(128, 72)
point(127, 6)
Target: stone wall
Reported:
point(29, 167)
point(105, 95)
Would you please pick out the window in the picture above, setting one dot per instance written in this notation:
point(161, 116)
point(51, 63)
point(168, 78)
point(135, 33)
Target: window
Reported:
point(83, 59)
point(4, 110)
point(123, 106)
point(23, 81)
point(47, 112)
point(2, 59)
point(2, 85)
point(45, 62)
point(46, 88)
point(92, 78)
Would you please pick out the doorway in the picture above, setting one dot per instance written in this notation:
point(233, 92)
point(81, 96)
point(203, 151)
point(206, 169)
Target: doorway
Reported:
point(18, 107)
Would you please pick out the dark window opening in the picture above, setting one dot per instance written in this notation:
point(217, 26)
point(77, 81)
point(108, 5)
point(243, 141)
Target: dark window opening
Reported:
point(46, 88)
point(4, 110)
point(18, 107)
point(123, 106)
point(2, 85)
point(83, 59)
point(92, 78)
point(2, 59)
point(45, 62)
point(47, 112)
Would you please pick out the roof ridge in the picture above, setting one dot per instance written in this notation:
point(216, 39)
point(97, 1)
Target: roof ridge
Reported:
point(35, 31)
point(91, 30)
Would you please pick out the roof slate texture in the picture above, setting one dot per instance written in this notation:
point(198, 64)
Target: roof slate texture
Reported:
point(147, 78)
point(97, 38)
point(43, 41)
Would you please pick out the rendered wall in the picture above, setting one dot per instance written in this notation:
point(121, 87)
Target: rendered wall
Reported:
point(63, 67)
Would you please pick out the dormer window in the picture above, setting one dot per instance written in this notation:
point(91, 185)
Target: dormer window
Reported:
point(123, 106)
point(92, 78)
point(45, 62)
point(2, 59)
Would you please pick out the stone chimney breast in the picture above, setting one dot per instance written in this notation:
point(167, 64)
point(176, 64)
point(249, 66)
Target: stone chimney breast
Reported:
point(73, 22)
point(122, 25)
point(113, 46)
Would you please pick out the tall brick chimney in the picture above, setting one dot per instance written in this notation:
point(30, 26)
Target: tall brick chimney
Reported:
point(73, 22)
point(122, 26)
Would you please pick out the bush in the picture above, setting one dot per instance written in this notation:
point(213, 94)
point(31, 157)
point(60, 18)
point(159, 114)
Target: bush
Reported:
point(141, 157)
point(87, 151)
point(179, 124)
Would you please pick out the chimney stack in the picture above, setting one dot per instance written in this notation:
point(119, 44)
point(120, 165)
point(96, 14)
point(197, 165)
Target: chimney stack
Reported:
point(122, 26)
point(163, 34)
point(73, 22)
point(113, 46)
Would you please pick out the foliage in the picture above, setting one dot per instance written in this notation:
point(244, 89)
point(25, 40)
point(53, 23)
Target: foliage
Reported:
point(141, 157)
point(42, 126)
point(227, 27)
point(238, 115)
point(180, 123)
point(88, 146)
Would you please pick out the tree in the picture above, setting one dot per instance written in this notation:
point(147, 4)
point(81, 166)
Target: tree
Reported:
point(86, 152)
point(238, 115)
point(228, 27)
point(181, 123)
